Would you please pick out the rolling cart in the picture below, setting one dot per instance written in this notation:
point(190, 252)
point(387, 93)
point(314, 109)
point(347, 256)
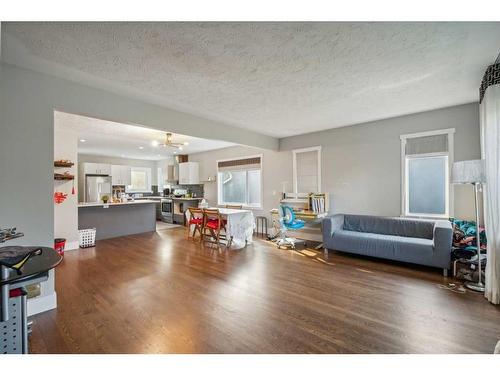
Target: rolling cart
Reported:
point(19, 266)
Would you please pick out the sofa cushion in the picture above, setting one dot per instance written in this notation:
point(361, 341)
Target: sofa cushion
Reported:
point(390, 226)
point(408, 249)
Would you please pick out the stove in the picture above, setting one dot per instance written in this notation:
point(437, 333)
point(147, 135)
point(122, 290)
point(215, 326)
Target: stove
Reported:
point(167, 210)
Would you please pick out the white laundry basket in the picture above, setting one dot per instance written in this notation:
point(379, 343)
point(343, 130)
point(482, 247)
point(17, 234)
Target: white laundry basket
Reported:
point(86, 237)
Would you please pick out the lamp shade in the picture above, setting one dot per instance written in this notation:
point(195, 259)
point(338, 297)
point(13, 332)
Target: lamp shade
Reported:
point(468, 172)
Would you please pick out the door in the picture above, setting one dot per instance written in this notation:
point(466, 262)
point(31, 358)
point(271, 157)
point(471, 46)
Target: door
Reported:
point(188, 173)
point(120, 175)
point(105, 169)
point(116, 175)
point(125, 175)
point(91, 168)
point(97, 168)
point(166, 206)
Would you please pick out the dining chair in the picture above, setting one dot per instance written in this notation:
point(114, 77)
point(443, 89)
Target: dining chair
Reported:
point(196, 219)
point(214, 223)
point(234, 206)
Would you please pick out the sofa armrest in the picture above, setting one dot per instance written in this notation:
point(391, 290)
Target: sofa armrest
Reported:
point(332, 224)
point(443, 237)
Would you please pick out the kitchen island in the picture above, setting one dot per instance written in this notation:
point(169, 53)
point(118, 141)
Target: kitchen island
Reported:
point(118, 219)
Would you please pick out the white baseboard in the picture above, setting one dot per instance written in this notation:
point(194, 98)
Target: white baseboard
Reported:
point(40, 304)
point(74, 245)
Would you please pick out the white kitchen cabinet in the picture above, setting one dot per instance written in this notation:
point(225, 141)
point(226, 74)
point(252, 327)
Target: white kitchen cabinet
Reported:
point(120, 175)
point(189, 173)
point(97, 168)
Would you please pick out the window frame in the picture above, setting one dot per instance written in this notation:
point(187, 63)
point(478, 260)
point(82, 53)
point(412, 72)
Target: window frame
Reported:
point(149, 181)
point(245, 205)
point(296, 193)
point(449, 192)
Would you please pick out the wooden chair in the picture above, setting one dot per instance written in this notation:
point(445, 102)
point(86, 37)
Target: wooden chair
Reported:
point(234, 206)
point(195, 218)
point(214, 223)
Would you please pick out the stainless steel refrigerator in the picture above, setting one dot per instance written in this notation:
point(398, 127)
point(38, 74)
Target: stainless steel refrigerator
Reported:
point(96, 187)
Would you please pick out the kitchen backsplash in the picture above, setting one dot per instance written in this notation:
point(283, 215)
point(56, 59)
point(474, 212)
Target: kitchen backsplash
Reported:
point(195, 189)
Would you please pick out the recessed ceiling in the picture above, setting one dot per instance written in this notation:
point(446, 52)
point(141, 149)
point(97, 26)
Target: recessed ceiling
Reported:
point(108, 138)
point(279, 79)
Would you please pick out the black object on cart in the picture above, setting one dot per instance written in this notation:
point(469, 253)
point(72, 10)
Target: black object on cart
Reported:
point(20, 266)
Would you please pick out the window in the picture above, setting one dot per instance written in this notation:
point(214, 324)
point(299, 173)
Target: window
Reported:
point(426, 168)
point(307, 171)
point(140, 180)
point(240, 182)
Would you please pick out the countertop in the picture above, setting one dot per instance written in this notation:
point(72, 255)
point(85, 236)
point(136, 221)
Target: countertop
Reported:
point(173, 198)
point(142, 201)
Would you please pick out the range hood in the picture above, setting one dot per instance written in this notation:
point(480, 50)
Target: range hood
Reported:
point(172, 174)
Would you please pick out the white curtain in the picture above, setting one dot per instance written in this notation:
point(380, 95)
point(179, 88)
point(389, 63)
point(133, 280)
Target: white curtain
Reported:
point(490, 151)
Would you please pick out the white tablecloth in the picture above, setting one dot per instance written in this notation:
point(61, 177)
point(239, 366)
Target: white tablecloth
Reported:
point(239, 228)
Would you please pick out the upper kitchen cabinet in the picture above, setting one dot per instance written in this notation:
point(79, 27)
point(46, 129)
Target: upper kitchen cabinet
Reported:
point(120, 175)
point(97, 168)
point(189, 173)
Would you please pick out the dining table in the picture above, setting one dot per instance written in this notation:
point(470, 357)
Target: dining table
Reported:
point(240, 225)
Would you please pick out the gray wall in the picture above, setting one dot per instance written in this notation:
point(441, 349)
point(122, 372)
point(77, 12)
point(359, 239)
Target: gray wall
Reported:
point(361, 163)
point(276, 168)
point(28, 100)
point(27, 103)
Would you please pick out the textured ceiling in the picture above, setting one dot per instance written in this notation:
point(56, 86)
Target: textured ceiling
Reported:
point(279, 79)
point(110, 138)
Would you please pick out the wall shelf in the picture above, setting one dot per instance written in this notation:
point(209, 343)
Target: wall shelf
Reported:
point(63, 176)
point(63, 164)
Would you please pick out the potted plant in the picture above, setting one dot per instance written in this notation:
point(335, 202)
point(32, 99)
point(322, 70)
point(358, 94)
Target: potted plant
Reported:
point(105, 199)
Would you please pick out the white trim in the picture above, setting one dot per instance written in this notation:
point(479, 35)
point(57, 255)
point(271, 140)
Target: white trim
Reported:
point(294, 166)
point(428, 133)
point(261, 205)
point(37, 305)
point(450, 191)
point(428, 155)
point(73, 245)
point(451, 160)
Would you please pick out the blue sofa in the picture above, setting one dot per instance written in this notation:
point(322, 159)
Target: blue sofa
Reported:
point(416, 241)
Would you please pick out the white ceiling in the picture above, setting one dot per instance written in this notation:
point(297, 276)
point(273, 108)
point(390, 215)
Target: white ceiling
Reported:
point(114, 139)
point(279, 79)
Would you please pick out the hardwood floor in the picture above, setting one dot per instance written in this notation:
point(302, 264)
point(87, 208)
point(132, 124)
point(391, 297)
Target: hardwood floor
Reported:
point(158, 293)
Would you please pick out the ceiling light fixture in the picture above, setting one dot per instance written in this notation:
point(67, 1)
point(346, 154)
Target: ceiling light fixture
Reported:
point(155, 143)
point(141, 148)
point(168, 142)
point(82, 140)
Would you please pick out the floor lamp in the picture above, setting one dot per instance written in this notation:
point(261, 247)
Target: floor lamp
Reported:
point(472, 172)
